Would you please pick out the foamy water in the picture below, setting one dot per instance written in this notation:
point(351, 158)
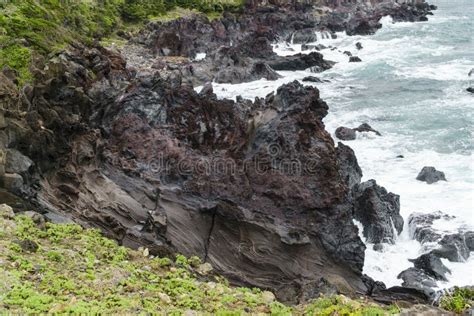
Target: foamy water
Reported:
point(410, 86)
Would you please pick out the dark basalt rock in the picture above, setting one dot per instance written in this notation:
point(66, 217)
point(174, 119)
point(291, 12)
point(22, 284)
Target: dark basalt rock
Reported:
point(453, 247)
point(246, 74)
point(313, 60)
point(470, 89)
point(416, 279)
point(348, 53)
point(378, 211)
point(359, 46)
point(354, 59)
point(420, 226)
point(366, 128)
point(313, 79)
point(402, 295)
point(349, 168)
point(345, 133)
point(431, 264)
point(430, 175)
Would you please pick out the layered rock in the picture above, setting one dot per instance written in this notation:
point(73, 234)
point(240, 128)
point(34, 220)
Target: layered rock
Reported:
point(254, 188)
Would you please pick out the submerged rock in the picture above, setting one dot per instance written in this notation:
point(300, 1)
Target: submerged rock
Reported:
point(430, 175)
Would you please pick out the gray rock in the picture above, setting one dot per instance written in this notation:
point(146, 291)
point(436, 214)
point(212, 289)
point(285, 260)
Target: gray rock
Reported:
point(431, 264)
point(430, 175)
point(345, 133)
point(417, 279)
point(366, 128)
point(354, 59)
point(13, 182)
point(378, 211)
point(349, 168)
point(16, 162)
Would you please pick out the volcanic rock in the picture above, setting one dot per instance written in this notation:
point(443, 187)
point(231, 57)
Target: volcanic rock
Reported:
point(354, 59)
point(431, 265)
point(379, 212)
point(345, 133)
point(430, 175)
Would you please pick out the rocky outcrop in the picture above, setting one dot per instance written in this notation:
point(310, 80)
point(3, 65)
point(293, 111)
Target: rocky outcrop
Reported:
point(430, 175)
point(379, 212)
point(254, 188)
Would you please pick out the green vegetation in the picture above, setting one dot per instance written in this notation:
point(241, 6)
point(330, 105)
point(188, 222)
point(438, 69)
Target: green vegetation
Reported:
point(458, 301)
point(50, 268)
point(28, 26)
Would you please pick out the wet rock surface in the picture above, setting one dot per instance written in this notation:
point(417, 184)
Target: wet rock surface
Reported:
point(430, 175)
point(378, 211)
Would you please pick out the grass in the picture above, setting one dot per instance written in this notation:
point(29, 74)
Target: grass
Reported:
point(63, 269)
point(460, 300)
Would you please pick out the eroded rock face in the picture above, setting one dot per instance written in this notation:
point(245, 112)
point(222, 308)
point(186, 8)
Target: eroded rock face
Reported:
point(379, 212)
point(254, 188)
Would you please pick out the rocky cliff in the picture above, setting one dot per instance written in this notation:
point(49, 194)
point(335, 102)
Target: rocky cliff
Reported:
point(256, 188)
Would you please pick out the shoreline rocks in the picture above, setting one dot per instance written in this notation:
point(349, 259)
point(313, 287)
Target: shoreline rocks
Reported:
point(430, 175)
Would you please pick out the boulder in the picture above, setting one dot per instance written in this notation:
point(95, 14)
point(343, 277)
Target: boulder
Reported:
point(430, 175)
point(418, 279)
point(312, 79)
point(431, 264)
point(16, 162)
point(378, 211)
point(348, 53)
point(13, 182)
point(358, 45)
point(354, 59)
point(345, 133)
point(470, 89)
point(420, 226)
point(453, 247)
point(6, 211)
point(313, 60)
point(364, 127)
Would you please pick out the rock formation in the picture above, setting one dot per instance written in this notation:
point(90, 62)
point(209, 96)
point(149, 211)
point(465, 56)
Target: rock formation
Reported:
point(256, 188)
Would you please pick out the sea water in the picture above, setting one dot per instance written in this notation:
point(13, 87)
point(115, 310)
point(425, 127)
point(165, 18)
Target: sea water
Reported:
point(410, 86)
